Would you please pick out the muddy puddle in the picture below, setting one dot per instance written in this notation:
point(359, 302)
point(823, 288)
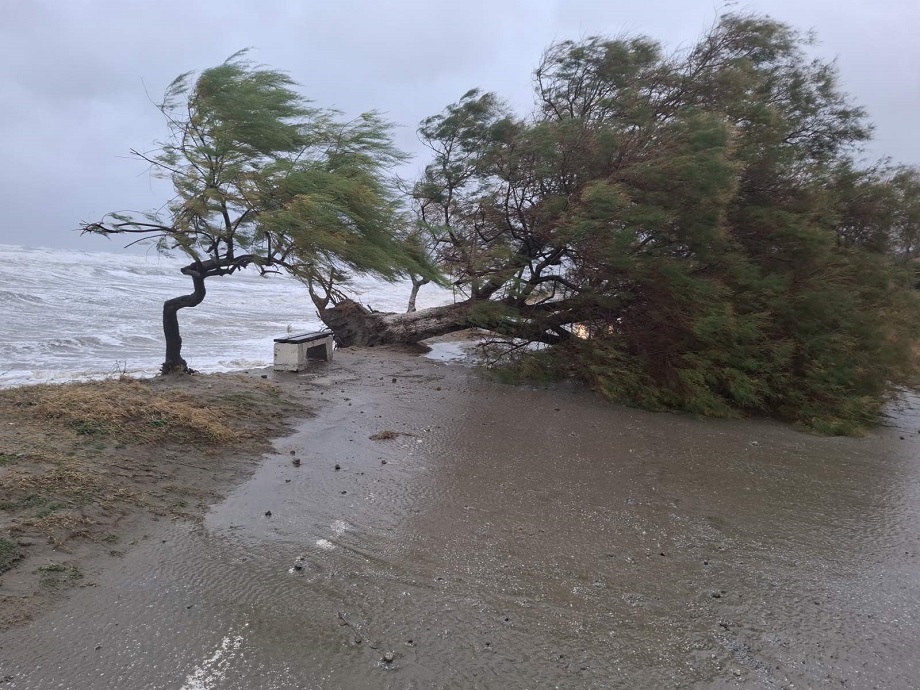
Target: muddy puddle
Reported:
point(513, 538)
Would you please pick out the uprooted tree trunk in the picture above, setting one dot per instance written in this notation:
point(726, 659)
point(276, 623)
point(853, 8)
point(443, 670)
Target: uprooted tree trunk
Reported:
point(353, 324)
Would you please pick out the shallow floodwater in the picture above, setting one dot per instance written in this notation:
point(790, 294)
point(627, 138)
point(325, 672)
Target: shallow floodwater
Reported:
point(514, 538)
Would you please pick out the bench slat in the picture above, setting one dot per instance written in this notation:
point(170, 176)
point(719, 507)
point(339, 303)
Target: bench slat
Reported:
point(304, 337)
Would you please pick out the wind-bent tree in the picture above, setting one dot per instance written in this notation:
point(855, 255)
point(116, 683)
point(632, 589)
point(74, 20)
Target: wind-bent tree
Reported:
point(691, 231)
point(264, 179)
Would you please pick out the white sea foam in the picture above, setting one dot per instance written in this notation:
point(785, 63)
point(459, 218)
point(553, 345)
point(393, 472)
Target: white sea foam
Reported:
point(210, 673)
point(67, 315)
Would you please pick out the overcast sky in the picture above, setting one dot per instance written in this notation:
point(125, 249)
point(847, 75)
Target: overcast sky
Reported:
point(76, 73)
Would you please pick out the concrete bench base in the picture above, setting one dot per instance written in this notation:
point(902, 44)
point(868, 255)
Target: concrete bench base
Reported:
point(292, 353)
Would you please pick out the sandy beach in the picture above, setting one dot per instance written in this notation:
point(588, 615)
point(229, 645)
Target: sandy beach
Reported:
point(416, 525)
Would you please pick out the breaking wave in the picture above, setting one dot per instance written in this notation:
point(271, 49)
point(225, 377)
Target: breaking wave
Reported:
point(69, 315)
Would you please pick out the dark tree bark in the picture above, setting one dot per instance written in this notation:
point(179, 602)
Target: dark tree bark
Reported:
point(197, 271)
point(174, 362)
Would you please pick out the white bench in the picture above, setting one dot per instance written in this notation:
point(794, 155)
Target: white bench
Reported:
point(292, 352)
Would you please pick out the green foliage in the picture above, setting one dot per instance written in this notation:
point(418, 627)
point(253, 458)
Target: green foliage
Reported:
point(520, 366)
point(690, 232)
point(9, 554)
point(263, 178)
point(54, 575)
point(9, 458)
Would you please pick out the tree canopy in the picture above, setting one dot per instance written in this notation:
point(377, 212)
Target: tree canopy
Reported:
point(263, 178)
point(692, 230)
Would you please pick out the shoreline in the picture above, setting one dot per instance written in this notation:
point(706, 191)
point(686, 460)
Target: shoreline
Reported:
point(40, 563)
point(77, 498)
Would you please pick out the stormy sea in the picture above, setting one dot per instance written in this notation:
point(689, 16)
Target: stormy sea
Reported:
point(71, 315)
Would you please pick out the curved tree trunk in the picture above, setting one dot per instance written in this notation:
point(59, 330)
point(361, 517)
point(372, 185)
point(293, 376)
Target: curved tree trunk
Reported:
point(417, 284)
point(174, 362)
point(353, 324)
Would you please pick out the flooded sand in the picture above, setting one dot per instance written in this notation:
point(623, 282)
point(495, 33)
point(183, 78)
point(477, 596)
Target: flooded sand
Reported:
point(511, 537)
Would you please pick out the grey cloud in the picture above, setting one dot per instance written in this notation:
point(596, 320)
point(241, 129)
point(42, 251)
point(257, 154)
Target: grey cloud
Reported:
point(73, 101)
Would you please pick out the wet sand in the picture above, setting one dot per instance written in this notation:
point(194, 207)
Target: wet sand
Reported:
point(511, 537)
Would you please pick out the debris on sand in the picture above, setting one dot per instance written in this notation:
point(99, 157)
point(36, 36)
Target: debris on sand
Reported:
point(389, 435)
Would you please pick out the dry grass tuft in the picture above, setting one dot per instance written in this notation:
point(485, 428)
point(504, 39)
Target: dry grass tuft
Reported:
point(125, 409)
point(60, 526)
point(77, 459)
point(66, 480)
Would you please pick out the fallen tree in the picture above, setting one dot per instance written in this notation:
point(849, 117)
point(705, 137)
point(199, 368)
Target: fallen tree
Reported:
point(356, 325)
point(702, 220)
